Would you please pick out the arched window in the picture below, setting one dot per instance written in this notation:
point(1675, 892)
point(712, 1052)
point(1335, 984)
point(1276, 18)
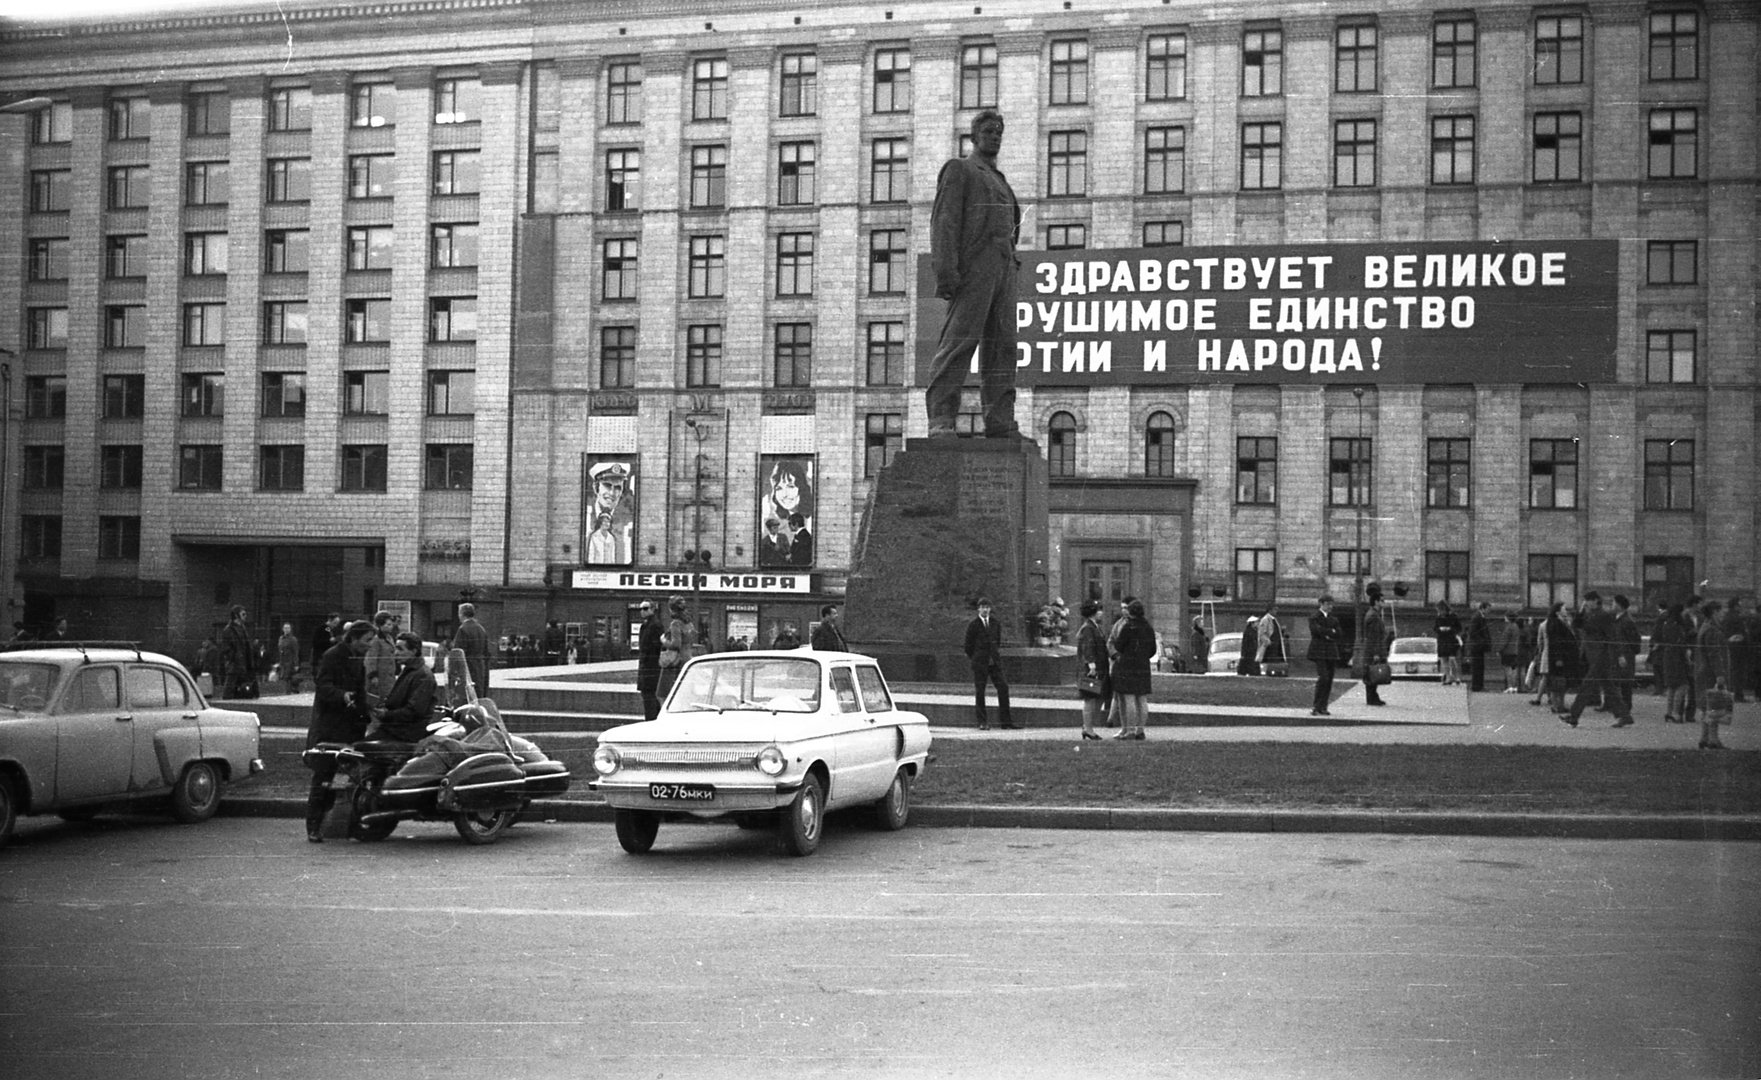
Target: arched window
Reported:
point(1158, 445)
point(1061, 444)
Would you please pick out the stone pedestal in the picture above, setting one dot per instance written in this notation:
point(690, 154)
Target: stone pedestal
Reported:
point(949, 521)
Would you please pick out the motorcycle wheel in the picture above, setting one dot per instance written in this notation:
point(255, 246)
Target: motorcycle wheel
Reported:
point(365, 801)
point(484, 827)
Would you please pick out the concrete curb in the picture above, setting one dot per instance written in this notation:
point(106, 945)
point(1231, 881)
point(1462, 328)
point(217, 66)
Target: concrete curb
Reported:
point(1171, 819)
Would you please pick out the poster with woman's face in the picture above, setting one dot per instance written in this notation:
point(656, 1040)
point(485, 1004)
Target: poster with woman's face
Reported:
point(608, 511)
point(785, 511)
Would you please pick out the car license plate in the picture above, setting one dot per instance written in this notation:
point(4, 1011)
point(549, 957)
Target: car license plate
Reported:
point(1412, 669)
point(682, 792)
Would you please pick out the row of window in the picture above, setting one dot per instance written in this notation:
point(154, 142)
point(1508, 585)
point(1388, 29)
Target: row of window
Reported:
point(286, 180)
point(281, 394)
point(1672, 54)
point(365, 322)
point(285, 251)
point(446, 467)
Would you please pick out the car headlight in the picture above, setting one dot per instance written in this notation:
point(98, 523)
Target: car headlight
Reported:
point(771, 762)
point(607, 760)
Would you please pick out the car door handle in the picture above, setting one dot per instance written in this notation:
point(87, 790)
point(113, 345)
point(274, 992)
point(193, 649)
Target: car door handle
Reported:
point(125, 718)
point(189, 716)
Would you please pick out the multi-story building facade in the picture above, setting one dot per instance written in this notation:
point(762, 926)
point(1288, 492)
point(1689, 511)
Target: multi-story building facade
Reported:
point(526, 301)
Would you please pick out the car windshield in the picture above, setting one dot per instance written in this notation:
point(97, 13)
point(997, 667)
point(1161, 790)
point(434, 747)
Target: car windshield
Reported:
point(26, 687)
point(776, 684)
point(1414, 645)
point(1225, 643)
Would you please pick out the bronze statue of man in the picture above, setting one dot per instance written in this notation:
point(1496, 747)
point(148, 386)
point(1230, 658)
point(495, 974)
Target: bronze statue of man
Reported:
point(973, 231)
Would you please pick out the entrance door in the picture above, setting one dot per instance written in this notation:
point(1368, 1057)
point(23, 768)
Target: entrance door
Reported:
point(1107, 581)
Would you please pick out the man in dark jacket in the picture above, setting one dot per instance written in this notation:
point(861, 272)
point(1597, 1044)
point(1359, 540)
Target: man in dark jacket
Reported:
point(409, 704)
point(1375, 647)
point(984, 648)
point(473, 641)
point(648, 659)
point(1324, 635)
point(238, 656)
point(1479, 642)
point(827, 637)
point(338, 715)
point(1628, 642)
point(1599, 638)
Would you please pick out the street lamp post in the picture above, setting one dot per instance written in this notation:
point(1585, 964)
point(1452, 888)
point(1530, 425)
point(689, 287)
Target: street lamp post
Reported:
point(1357, 553)
point(697, 559)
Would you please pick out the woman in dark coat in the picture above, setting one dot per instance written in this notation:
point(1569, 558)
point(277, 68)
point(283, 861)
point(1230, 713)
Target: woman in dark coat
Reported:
point(1669, 663)
point(1447, 631)
point(1091, 650)
point(1560, 663)
point(1134, 646)
point(1248, 662)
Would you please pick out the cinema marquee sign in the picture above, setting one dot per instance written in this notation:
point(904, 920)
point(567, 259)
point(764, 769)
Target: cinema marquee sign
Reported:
point(731, 581)
point(1421, 312)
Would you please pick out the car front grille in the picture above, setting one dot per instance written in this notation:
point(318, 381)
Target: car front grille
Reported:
point(688, 755)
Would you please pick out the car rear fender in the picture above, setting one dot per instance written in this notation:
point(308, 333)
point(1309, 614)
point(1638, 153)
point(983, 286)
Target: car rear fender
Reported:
point(174, 748)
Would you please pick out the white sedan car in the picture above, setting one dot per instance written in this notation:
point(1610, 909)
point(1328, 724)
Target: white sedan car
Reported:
point(765, 738)
point(1415, 656)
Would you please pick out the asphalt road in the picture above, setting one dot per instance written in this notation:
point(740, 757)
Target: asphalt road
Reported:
point(137, 949)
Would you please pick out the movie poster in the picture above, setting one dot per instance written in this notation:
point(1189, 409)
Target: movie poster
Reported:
point(785, 511)
point(609, 515)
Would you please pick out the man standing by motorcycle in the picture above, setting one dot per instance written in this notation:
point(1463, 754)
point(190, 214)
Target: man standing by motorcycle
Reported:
point(339, 714)
point(409, 704)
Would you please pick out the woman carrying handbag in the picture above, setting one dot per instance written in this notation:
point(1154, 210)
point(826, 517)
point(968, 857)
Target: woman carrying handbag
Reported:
point(677, 645)
point(1093, 686)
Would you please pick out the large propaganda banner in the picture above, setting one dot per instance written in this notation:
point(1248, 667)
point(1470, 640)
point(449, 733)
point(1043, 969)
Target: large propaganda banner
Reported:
point(1420, 312)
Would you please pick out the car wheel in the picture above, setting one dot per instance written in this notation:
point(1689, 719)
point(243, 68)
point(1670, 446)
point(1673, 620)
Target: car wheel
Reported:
point(364, 801)
point(799, 828)
point(636, 829)
point(8, 810)
point(485, 826)
point(197, 794)
point(893, 809)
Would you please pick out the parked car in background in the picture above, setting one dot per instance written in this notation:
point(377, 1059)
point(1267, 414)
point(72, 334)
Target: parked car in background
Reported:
point(765, 739)
point(83, 728)
point(1225, 654)
point(1415, 656)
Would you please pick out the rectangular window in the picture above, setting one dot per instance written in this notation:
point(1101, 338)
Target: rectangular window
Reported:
point(1256, 574)
point(204, 253)
point(367, 321)
point(125, 326)
point(1067, 164)
point(1448, 474)
point(452, 318)
point(1553, 579)
point(623, 92)
point(703, 355)
point(42, 537)
point(452, 393)
point(1553, 474)
point(453, 246)
point(124, 396)
point(1669, 474)
point(204, 395)
point(372, 105)
point(447, 467)
point(371, 176)
point(796, 168)
point(978, 77)
point(370, 247)
point(618, 268)
point(281, 468)
point(617, 357)
point(208, 114)
point(284, 394)
point(1675, 144)
point(1559, 148)
point(884, 438)
point(1669, 356)
point(119, 537)
point(130, 118)
point(623, 179)
point(45, 397)
point(1559, 50)
point(1164, 234)
point(890, 171)
point(284, 322)
point(119, 467)
point(45, 467)
point(1262, 157)
point(207, 183)
point(1452, 149)
point(1344, 562)
point(204, 324)
point(1446, 577)
point(1066, 237)
point(53, 124)
point(709, 176)
point(287, 251)
point(1354, 153)
point(1675, 45)
point(886, 261)
point(363, 468)
point(1669, 579)
point(709, 89)
point(1262, 63)
point(125, 256)
point(886, 354)
point(1256, 470)
point(457, 172)
point(199, 467)
point(46, 328)
point(290, 180)
point(458, 101)
point(1164, 160)
point(1355, 59)
point(1348, 472)
point(290, 108)
point(1165, 67)
point(1069, 73)
point(1672, 262)
point(1454, 53)
point(129, 187)
point(800, 85)
point(49, 259)
point(366, 393)
point(892, 80)
point(794, 354)
point(709, 267)
point(50, 190)
point(795, 264)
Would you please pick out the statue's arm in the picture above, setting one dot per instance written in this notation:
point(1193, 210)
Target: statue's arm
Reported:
point(946, 220)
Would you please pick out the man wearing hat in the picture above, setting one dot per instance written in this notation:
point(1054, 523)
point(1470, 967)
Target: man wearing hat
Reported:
point(610, 539)
point(1600, 641)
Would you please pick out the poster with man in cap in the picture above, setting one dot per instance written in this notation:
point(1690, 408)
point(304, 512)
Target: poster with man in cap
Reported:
point(610, 519)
